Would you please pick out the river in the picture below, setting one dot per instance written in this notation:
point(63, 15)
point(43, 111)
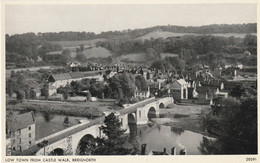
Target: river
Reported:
point(157, 136)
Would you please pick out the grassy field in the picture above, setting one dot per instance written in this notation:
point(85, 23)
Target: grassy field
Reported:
point(185, 117)
point(77, 43)
point(87, 109)
point(97, 52)
point(158, 34)
point(134, 57)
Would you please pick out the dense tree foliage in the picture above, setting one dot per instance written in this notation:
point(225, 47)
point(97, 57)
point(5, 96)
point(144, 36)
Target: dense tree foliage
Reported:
point(45, 91)
point(17, 84)
point(120, 86)
point(24, 44)
point(140, 83)
point(207, 48)
point(235, 121)
point(123, 85)
point(30, 46)
point(207, 29)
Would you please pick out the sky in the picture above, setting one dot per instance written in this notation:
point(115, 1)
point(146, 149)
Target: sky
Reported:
point(97, 18)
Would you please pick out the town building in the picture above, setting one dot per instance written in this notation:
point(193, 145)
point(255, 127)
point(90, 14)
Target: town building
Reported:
point(221, 94)
point(57, 80)
point(142, 94)
point(21, 129)
point(178, 89)
point(75, 64)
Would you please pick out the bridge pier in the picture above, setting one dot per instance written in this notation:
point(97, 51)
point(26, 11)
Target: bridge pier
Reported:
point(141, 116)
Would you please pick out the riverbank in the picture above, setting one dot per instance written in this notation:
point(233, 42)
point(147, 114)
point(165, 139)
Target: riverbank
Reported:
point(82, 109)
point(186, 117)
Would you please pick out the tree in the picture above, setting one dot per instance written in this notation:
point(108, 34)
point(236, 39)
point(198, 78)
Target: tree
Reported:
point(80, 57)
point(45, 91)
point(66, 53)
point(32, 94)
point(112, 143)
point(159, 65)
point(108, 91)
point(120, 93)
point(127, 82)
point(76, 86)
point(251, 42)
point(140, 82)
point(66, 121)
point(65, 94)
point(177, 63)
point(81, 48)
point(20, 95)
point(11, 86)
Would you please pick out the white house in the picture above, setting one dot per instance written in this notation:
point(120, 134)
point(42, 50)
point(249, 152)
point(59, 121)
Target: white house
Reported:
point(142, 94)
point(221, 94)
point(179, 89)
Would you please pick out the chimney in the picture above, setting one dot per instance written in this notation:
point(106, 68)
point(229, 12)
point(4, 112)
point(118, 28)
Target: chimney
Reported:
point(183, 151)
point(173, 151)
point(143, 148)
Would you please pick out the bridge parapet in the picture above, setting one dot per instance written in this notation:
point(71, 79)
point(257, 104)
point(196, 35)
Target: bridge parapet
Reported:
point(61, 132)
point(166, 101)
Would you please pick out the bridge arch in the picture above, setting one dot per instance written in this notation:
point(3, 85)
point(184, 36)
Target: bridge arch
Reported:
point(57, 152)
point(151, 113)
point(161, 105)
point(131, 119)
point(132, 124)
point(85, 145)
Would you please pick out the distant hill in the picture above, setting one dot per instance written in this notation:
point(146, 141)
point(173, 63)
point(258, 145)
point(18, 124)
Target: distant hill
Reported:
point(163, 34)
point(30, 45)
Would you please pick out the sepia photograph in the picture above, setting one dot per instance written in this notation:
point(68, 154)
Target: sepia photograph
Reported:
point(129, 79)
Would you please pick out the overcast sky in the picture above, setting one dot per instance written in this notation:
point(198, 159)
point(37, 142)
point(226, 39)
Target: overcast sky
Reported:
point(98, 18)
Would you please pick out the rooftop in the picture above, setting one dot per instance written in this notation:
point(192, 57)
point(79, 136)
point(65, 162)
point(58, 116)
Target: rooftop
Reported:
point(74, 75)
point(181, 81)
point(55, 52)
point(21, 121)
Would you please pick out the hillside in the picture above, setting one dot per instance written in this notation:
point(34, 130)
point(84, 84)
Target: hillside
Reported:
point(97, 52)
point(163, 34)
point(134, 57)
point(74, 44)
point(158, 34)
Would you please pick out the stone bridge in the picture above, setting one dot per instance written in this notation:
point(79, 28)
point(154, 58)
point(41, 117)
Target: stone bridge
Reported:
point(69, 141)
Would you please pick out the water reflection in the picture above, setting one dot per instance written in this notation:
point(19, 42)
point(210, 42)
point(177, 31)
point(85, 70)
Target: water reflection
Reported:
point(47, 116)
point(47, 124)
point(157, 137)
point(177, 130)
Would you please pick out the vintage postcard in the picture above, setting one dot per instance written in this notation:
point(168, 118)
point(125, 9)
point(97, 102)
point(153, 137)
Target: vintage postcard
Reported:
point(98, 81)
